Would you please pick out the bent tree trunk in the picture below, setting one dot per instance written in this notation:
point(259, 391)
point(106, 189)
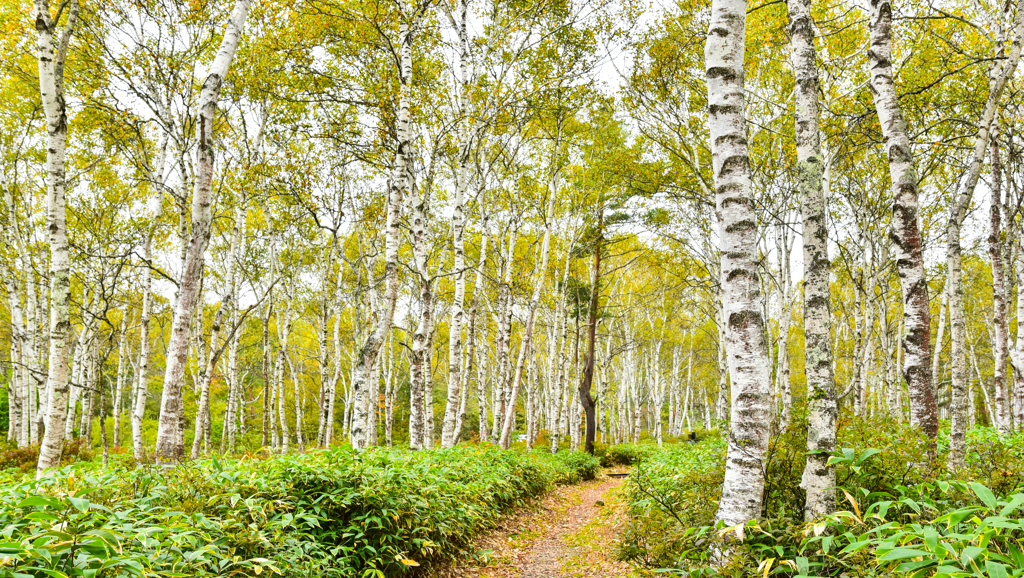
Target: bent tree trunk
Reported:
point(748, 362)
point(822, 411)
point(588, 368)
point(959, 372)
point(51, 88)
point(905, 235)
point(170, 437)
point(545, 250)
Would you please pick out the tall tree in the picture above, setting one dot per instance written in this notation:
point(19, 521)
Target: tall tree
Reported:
point(742, 306)
point(401, 183)
point(52, 56)
point(818, 478)
point(905, 234)
point(999, 75)
point(170, 439)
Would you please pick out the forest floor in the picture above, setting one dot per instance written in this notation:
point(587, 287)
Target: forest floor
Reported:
point(569, 533)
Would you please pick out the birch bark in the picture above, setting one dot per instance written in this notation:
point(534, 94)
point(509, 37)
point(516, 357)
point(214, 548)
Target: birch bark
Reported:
point(545, 250)
point(818, 479)
point(170, 439)
point(904, 233)
point(122, 368)
point(743, 488)
point(203, 411)
point(1000, 321)
point(449, 433)
point(954, 284)
point(52, 57)
point(401, 183)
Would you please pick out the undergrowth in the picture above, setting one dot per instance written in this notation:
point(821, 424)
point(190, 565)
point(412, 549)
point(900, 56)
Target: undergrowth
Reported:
point(326, 513)
point(900, 512)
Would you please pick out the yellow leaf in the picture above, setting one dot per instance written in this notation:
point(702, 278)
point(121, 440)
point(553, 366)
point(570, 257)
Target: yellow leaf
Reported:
point(408, 562)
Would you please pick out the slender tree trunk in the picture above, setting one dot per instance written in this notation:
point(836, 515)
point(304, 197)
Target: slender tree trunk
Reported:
point(401, 184)
point(1017, 354)
point(51, 58)
point(284, 332)
point(586, 401)
point(558, 361)
point(1000, 317)
point(34, 384)
point(170, 441)
point(545, 250)
point(905, 234)
point(102, 415)
point(741, 295)
point(122, 368)
point(449, 433)
point(235, 397)
point(818, 478)
point(937, 350)
point(215, 349)
point(954, 283)
point(722, 393)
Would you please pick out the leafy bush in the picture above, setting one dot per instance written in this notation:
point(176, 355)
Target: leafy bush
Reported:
point(896, 514)
point(327, 513)
point(573, 467)
point(624, 454)
point(25, 458)
point(952, 529)
point(671, 491)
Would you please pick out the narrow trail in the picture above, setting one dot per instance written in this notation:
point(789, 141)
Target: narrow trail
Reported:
point(570, 533)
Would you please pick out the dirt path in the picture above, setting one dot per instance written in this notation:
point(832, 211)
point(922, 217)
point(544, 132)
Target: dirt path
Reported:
point(570, 533)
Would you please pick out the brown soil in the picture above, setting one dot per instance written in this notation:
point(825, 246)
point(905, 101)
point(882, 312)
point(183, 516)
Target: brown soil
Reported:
point(566, 534)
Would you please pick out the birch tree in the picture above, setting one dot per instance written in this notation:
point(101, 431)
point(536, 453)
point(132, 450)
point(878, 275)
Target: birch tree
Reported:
point(747, 350)
point(998, 78)
point(52, 46)
point(170, 442)
point(905, 234)
point(818, 479)
point(401, 182)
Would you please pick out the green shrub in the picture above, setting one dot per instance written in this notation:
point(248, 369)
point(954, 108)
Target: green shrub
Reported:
point(895, 514)
point(622, 454)
point(671, 491)
point(326, 513)
point(573, 467)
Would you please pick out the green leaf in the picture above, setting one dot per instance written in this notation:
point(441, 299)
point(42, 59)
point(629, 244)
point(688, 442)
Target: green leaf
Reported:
point(80, 504)
point(995, 569)
point(867, 454)
point(903, 554)
point(1015, 503)
point(984, 494)
point(44, 501)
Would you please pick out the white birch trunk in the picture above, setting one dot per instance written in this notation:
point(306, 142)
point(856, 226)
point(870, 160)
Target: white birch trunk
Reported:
point(170, 441)
point(818, 478)
point(905, 234)
point(401, 183)
point(203, 411)
point(545, 250)
point(51, 60)
point(958, 334)
point(454, 404)
point(1000, 317)
point(122, 368)
point(743, 489)
point(418, 365)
